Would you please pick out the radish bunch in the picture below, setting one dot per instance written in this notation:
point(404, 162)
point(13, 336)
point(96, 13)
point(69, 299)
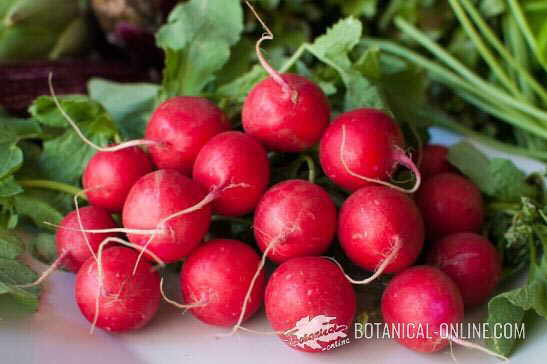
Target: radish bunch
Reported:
point(190, 168)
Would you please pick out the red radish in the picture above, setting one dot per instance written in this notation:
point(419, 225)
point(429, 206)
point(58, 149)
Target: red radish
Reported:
point(74, 246)
point(109, 176)
point(154, 198)
point(377, 223)
point(425, 298)
point(434, 161)
point(361, 147)
point(450, 204)
point(217, 275)
point(294, 218)
point(233, 158)
point(128, 299)
point(310, 302)
point(472, 262)
point(180, 127)
point(286, 112)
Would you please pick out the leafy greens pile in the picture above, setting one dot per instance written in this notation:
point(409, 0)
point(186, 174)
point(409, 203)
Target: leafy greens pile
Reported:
point(208, 53)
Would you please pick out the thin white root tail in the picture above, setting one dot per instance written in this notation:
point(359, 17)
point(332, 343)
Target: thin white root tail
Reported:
point(100, 271)
point(180, 305)
point(268, 35)
point(132, 143)
point(52, 268)
point(380, 270)
point(471, 345)
point(80, 224)
point(107, 231)
point(398, 155)
point(243, 328)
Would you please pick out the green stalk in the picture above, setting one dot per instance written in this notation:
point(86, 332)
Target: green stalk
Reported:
point(483, 49)
point(516, 10)
point(497, 44)
point(52, 185)
point(458, 67)
point(311, 168)
point(294, 58)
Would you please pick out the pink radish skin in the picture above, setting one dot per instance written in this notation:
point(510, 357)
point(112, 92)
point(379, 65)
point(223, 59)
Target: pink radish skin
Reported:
point(218, 274)
point(371, 221)
point(158, 195)
point(309, 287)
point(182, 125)
point(422, 296)
point(450, 204)
point(127, 301)
point(372, 148)
point(109, 176)
point(434, 161)
point(233, 158)
point(297, 216)
point(472, 262)
point(72, 243)
point(286, 119)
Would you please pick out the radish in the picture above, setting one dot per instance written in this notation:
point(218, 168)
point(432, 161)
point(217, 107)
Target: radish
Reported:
point(450, 204)
point(75, 247)
point(310, 304)
point(117, 297)
point(434, 161)
point(170, 206)
point(380, 229)
point(364, 146)
point(427, 298)
point(294, 218)
point(217, 275)
point(286, 112)
point(180, 127)
point(237, 159)
point(109, 176)
point(472, 262)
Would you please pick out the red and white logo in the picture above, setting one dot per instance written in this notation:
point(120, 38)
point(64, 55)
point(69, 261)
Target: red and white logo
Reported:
point(312, 332)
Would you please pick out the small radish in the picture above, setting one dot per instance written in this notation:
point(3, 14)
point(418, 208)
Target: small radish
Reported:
point(450, 204)
point(286, 112)
point(126, 298)
point(180, 127)
point(237, 159)
point(425, 298)
point(310, 304)
point(217, 275)
point(294, 218)
point(364, 146)
point(472, 262)
point(434, 161)
point(154, 203)
point(109, 176)
point(380, 229)
point(74, 247)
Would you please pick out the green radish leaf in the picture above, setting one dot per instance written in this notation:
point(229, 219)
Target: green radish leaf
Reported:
point(11, 246)
point(9, 188)
point(197, 40)
point(38, 210)
point(13, 273)
point(42, 247)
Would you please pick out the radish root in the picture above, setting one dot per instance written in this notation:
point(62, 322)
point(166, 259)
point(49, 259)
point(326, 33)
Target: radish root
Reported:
point(80, 224)
point(398, 155)
point(179, 305)
point(131, 143)
point(381, 267)
point(471, 345)
point(52, 268)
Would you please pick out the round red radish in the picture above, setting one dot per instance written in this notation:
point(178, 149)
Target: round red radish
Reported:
point(218, 275)
point(72, 243)
point(237, 159)
point(472, 262)
point(286, 119)
point(155, 197)
point(373, 220)
point(434, 161)
point(127, 301)
point(422, 298)
point(450, 204)
point(109, 176)
point(310, 301)
point(362, 142)
point(297, 216)
point(182, 125)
